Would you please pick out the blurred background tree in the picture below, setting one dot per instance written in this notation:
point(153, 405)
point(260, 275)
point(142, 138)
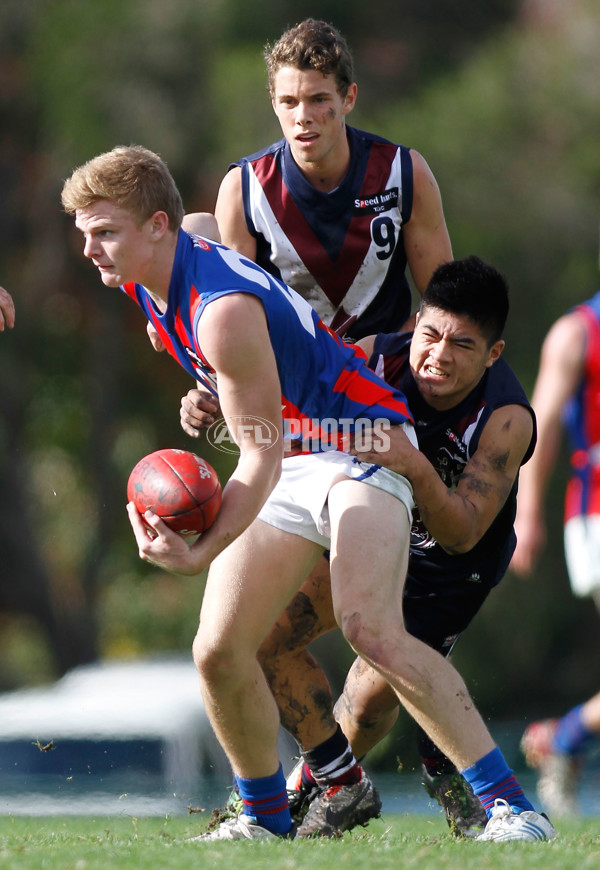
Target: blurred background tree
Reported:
point(502, 100)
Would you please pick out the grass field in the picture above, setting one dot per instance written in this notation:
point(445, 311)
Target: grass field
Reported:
point(399, 842)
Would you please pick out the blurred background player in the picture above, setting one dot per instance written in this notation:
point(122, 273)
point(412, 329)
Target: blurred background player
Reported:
point(566, 396)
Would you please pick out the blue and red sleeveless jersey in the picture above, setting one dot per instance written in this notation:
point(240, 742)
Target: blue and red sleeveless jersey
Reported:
point(321, 377)
point(449, 439)
point(343, 251)
point(581, 417)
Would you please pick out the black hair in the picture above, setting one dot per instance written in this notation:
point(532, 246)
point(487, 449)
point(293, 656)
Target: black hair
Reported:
point(472, 288)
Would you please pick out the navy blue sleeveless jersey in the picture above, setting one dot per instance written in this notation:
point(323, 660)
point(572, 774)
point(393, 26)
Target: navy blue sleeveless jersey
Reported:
point(321, 377)
point(343, 251)
point(449, 439)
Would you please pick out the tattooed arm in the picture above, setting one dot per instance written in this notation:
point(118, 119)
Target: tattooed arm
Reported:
point(459, 518)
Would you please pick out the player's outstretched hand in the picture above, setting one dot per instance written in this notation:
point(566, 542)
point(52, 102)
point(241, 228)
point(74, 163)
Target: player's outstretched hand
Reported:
point(199, 410)
point(161, 546)
point(7, 310)
point(390, 447)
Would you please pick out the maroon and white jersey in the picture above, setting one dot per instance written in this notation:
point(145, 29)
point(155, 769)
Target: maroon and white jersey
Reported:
point(342, 251)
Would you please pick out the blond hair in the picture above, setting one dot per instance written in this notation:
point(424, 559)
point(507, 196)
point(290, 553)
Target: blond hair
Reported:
point(131, 177)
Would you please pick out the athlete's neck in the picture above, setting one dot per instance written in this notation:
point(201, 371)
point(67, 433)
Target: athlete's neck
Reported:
point(329, 172)
point(324, 177)
point(157, 278)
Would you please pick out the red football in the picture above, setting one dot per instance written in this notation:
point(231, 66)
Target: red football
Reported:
point(180, 487)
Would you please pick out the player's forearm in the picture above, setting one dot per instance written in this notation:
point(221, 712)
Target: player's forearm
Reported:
point(246, 491)
point(450, 518)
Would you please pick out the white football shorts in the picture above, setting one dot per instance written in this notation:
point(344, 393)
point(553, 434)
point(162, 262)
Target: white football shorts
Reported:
point(298, 504)
point(582, 553)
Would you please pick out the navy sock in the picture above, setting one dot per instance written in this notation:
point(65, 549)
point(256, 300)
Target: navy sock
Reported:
point(491, 778)
point(433, 759)
point(265, 799)
point(333, 761)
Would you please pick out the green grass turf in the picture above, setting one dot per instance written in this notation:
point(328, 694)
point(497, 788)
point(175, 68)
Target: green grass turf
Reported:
point(399, 842)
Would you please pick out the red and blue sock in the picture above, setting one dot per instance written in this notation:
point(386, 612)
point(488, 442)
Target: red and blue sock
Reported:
point(491, 778)
point(570, 734)
point(265, 800)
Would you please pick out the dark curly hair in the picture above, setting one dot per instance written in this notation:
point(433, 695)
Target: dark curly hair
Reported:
point(312, 44)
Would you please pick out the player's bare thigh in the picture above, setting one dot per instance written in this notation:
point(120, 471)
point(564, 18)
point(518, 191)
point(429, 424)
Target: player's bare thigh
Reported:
point(250, 583)
point(369, 557)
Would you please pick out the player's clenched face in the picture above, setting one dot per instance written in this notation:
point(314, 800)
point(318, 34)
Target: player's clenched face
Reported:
point(120, 249)
point(449, 356)
point(312, 114)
